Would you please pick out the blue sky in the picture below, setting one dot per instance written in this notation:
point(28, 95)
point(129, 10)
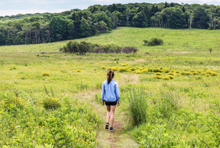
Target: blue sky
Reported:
point(13, 7)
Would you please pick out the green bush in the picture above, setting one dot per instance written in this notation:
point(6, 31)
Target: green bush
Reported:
point(156, 70)
point(214, 74)
point(122, 69)
point(51, 103)
point(195, 73)
point(171, 77)
point(166, 78)
point(171, 73)
point(187, 73)
point(158, 74)
point(155, 41)
point(45, 74)
point(10, 102)
point(157, 77)
point(137, 107)
point(150, 69)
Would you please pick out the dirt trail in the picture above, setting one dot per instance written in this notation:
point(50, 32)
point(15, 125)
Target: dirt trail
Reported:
point(105, 138)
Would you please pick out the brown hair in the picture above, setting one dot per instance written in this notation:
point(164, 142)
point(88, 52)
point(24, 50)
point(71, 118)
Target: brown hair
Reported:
point(110, 75)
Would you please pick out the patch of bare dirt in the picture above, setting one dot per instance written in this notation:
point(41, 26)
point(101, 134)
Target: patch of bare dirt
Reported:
point(181, 52)
point(118, 125)
point(131, 79)
point(112, 140)
point(140, 60)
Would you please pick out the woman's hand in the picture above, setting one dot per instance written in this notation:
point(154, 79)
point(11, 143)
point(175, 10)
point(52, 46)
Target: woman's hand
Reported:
point(118, 103)
point(103, 102)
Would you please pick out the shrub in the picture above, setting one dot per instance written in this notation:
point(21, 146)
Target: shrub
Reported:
point(77, 47)
point(178, 72)
point(166, 78)
point(166, 70)
point(12, 102)
point(145, 42)
point(114, 68)
point(156, 70)
point(109, 68)
point(99, 50)
point(214, 74)
point(127, 69)
point(170, 73)
point(45, 74)
point(155, 41)
point(158, 74)
point(208, 72)
point(187, 73)
point(137, 107)
point(51, 103)
point(121, 69)
point(157, 77)
point(150, 69)
point(138, 71)
point(195, 73)
point(140, 68)
point(129, 50)
point(78, 70)
point(145, 70)
point(133, 69)
point(171, 77)
point(102, 67)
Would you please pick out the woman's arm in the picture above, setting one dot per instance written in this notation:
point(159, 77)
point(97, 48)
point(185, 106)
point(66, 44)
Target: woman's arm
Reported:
point(117, 93)
point(103, 92)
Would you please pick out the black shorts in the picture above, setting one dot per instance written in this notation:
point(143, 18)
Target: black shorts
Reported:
point(110, 103)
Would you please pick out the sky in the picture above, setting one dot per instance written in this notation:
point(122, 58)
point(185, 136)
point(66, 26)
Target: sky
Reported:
point(13, 7)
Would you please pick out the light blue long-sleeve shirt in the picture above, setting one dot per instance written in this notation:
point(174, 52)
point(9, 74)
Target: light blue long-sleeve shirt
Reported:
point(110, 92)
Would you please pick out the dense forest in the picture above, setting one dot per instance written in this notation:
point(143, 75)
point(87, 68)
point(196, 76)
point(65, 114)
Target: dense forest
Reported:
point(96, 19)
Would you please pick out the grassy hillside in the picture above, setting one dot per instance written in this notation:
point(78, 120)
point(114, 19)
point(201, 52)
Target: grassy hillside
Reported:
point(181, 40)
point(178, 82)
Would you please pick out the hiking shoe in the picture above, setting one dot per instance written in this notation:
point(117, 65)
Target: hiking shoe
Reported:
point(111, 129)
point(106, 125)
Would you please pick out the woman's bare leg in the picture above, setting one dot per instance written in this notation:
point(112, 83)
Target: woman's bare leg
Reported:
point(112, 111)
point(108, 113)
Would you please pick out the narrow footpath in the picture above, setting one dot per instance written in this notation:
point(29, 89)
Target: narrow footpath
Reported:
point(105, 138)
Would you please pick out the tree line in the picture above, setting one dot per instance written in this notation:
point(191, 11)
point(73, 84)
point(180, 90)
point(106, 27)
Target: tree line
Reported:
point(96, 19)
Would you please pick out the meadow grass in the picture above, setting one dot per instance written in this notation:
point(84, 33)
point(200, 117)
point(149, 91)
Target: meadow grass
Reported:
point(177, 109)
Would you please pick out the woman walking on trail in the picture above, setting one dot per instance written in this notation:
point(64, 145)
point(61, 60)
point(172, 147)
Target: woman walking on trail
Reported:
point(110, 97)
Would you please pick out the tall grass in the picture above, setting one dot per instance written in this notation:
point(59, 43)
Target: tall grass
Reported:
point(137, 106)
point(167, 104)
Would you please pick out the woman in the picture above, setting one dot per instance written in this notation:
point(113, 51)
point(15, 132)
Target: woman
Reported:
point(110, 97)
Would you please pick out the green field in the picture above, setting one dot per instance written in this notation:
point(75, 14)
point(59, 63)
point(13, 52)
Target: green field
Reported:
point(179, 112)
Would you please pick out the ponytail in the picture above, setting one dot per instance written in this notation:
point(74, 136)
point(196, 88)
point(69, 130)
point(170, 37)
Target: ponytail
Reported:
point(110, 75)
